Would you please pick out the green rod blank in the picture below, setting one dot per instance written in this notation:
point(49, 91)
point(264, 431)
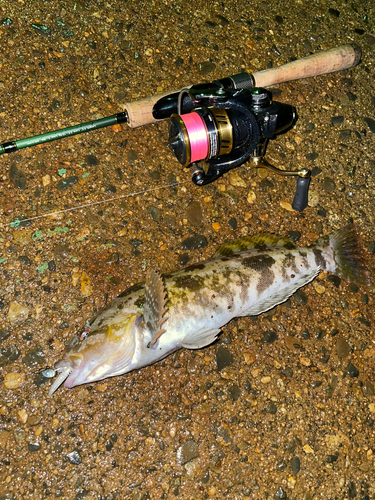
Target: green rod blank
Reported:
point(12, 146)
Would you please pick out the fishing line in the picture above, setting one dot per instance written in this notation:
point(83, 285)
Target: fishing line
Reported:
point(18, 222)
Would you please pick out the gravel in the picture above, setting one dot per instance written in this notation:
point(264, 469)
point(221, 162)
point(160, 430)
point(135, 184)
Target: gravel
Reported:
point(256, 415)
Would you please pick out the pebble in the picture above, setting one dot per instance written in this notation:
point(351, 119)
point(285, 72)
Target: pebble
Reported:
point(286, 205)
point(8, 355)
point(91, 160)
point(4, 436)
point(307, 44)
point(368, 388)
point(307, 449)
point(206, 67)
point(183, 259)
point(269, 337)
point(271, 409)
point(86, 286)
point(280, 494)
point(194, 213)
point(235, 179)
point(352, 490)
point(52, 266)
point(24, 259)
point(333, 12)
point(187, 452)
point(294, 235)
point(223, 358)
point(39, 379)
point(311, 156)
point(4, 334)
point(155, 175)
point(335, 280)
point(13, 380)
point(249, 357)
point(371, 124)
point(330, 459)
point(251, 197)
point(336, 120)
point(34, 447)
point(67, 182)
point(332, 385)
point(320, 289)
point(17, 313)
point(34, 358)
point(295, 464)
point(111, 189)
point(328, 185)
point(18, 177)
point(300, 297)
point(155, 213)
point(74, 457)
point(112, 258)
point(61, 250)
point(19, 435)
point(232, 223)
point(234, 392)
point(194, 242)
point(23, 416)
point(132, 156)
point(342, 348)
point(351, 370)
point(313, 198)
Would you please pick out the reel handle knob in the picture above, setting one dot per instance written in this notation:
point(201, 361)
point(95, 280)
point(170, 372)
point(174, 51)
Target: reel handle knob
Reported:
point(302, 194)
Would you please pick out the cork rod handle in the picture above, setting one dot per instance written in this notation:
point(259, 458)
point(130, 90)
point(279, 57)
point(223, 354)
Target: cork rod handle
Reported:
point(327, 61)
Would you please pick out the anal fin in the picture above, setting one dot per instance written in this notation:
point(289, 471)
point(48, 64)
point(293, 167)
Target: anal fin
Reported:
point(282, 295)
point(154, 308)
point(200, 338)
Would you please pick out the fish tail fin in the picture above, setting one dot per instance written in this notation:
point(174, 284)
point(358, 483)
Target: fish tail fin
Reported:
point(349, 261)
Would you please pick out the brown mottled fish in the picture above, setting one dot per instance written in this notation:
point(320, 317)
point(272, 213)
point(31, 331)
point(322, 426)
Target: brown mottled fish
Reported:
point(187, 308)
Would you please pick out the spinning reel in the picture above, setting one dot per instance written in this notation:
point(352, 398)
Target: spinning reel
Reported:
point(225, 128)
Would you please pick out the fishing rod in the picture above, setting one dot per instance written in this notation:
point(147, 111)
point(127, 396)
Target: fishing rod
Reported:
point(222, 124)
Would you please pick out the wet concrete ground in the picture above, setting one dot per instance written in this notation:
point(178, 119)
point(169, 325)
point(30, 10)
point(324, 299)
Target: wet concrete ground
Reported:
point(282, 406)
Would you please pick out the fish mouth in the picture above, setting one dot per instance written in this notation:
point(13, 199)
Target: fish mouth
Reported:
point(65, 367)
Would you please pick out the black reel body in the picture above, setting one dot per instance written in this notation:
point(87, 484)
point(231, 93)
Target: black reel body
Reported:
point(226, 127)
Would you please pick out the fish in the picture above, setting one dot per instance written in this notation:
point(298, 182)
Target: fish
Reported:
point(187, 308)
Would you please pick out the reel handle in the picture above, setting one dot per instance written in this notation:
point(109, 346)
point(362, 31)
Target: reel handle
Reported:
point(326, 61)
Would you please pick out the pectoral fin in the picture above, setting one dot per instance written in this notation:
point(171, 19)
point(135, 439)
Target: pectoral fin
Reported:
point(154, 306)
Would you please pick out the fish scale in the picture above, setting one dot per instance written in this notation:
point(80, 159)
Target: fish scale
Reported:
point(245, 277)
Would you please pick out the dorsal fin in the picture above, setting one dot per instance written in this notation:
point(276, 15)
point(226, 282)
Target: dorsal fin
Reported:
point(154, 308)
point(258, 241)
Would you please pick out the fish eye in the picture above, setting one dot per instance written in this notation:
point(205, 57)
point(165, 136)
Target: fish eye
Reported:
point(83, 334)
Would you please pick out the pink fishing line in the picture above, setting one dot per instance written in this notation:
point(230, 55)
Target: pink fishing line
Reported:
point(197, 135)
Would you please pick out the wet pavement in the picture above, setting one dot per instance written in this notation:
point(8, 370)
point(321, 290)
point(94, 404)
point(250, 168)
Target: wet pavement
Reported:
point(282, 406)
